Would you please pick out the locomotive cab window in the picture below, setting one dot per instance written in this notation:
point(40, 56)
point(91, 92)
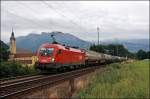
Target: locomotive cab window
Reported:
point(50, 51)
point(46, 51)
point(42, 51)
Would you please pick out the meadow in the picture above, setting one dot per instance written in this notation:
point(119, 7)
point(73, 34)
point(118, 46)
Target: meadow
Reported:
point(121, 80)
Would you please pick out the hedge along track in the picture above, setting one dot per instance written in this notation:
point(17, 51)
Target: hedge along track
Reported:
point(20, 86)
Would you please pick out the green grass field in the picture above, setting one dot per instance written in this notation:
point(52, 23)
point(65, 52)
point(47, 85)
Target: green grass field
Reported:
point(120, 81)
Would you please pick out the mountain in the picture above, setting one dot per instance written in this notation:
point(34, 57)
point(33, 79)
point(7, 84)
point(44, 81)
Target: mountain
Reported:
point(132, 45)
point(33, 40)
point(136, 44)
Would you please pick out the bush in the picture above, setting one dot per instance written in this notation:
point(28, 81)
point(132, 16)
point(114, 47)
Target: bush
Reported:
point(10, 69)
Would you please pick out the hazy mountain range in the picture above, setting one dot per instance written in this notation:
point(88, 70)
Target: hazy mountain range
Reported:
point(132, 45)
point(33, 40)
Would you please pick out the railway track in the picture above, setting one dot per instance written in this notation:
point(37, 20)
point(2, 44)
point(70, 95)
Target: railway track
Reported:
point(19, 79)
point(13, 87)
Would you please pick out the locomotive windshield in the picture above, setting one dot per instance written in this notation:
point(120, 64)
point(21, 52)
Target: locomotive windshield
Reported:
point(46, 51)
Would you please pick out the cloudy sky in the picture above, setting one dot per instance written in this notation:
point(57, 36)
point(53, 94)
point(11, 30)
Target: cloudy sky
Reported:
point(116, 19)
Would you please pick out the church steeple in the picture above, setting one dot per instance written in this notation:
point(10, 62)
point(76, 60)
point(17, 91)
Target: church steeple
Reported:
point(12, 35)
point(12, 43)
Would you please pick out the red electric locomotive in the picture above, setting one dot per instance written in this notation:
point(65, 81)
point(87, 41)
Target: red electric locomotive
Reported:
point(55, 56)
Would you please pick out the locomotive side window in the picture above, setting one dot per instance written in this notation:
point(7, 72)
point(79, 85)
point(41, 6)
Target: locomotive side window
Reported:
point(59, 52)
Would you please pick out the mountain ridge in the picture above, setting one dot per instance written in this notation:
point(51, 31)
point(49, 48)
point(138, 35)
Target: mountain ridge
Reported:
point(33, 40)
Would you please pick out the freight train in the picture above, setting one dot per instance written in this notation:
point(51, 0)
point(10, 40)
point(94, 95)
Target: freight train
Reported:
point(55, 56)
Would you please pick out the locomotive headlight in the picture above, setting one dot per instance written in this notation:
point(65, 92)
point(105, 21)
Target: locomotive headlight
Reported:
point(52, 60)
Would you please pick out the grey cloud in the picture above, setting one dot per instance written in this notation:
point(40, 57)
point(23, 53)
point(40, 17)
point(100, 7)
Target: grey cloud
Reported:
point(81, 18)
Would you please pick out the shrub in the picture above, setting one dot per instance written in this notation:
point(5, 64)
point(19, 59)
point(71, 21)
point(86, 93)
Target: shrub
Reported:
point(9, 69)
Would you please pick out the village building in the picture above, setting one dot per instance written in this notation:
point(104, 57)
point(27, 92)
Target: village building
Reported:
point(23, 56)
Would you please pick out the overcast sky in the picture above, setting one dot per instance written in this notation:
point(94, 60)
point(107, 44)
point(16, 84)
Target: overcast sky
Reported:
point(116, 19)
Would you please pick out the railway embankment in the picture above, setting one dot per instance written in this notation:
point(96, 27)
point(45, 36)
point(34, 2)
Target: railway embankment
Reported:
point(126, 80)
point(65, 89)
point(49, 86)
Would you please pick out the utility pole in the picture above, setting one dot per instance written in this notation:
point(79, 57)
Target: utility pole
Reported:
point(98, 34)
point(116, 46)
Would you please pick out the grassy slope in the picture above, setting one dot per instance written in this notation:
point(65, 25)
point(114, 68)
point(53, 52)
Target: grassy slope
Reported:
point(121, 81)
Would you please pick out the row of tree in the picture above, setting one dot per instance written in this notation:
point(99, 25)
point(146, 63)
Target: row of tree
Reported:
point(120, 50)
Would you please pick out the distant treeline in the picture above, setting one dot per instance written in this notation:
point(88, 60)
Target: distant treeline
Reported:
point(120, 50)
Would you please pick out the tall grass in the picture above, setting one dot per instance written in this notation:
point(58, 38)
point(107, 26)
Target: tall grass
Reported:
point(120, 81)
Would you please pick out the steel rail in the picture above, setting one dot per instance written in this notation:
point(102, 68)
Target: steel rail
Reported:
point(2, 83)
point(17, 77)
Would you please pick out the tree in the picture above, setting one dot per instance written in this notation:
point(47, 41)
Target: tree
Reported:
point(141, 54)
point(148, 54)
point(98, 48)
point(4, 51)
point(113, 49)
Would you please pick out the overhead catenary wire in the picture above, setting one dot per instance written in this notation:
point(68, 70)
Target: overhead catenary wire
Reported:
point(64, 6)
point(77, 17)
point(34, 14)
point(24, 18)
point(59, 13)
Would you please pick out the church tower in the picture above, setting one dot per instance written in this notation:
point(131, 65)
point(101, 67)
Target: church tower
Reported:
point(12, 43)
